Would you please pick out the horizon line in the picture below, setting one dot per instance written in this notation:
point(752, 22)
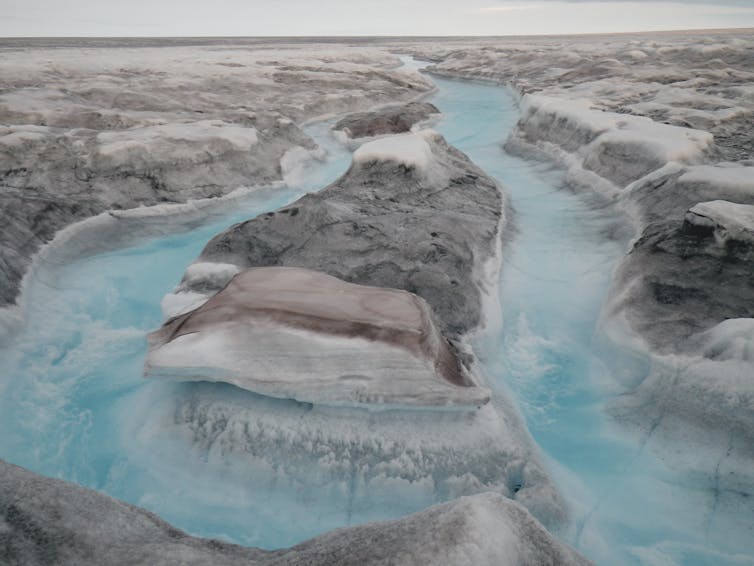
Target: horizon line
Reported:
point(374, 36)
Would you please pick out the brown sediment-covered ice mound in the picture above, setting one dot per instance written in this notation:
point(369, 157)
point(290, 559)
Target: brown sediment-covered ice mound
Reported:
point(301, 334)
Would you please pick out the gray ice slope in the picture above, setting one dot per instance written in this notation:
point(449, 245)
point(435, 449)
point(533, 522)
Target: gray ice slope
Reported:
point(48, 521)
point(684, 296)
point(428, 225)
point(692, 266)
point(688, 270)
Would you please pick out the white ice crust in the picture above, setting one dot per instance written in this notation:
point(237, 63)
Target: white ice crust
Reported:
point(732, 339)
point(410, 149)
point(205, 275)
point(618, 148)
point(729, 219)
point(308, 367)
point(180, 302)
point(216, 274)
point(121, 145)
point(730, 176)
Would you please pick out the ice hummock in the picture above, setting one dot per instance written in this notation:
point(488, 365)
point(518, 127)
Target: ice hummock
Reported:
point(300, 334)
point(729, 220)
point(411, 150)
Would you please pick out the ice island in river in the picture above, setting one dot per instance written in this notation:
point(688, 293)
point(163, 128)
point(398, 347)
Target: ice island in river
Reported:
point(386, 316)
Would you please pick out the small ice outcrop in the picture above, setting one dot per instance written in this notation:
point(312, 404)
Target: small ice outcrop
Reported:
point(174, 304)
point(299, 334)
point(732, 339)
point(637, 54)
point(728, 220)
point(47, 520)
point(386, 121)
point(411, 150)
point(209, 276)
point(668, 193)
point(201, 280)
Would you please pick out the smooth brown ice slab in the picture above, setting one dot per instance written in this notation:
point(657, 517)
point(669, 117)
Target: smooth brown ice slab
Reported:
point(296, 333)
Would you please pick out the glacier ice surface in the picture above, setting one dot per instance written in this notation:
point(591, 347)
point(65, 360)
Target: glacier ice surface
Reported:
point(674, 514)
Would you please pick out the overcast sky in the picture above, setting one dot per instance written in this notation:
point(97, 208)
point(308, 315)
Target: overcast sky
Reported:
point(362, 17)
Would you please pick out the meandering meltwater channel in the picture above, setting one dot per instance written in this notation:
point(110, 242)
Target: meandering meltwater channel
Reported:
point(74, 369)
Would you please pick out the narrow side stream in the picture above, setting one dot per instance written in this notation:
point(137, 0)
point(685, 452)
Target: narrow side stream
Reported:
point(70, 376)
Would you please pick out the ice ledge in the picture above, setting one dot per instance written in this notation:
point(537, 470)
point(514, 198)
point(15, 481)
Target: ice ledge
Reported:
point(728, 220)
point(69, 524)
point(300, 334)
point(411, 150)
point(619, 148)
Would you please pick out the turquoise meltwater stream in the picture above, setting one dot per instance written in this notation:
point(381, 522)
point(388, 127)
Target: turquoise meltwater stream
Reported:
point(626, 507)
point(71, 385)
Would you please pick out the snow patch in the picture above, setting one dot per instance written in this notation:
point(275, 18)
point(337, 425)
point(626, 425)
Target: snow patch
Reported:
point(174, 141)
point(730, 220)
point(730, 177)
point(637, 54)
point(217, 275)
point(732, 339)
point(411, 150)
point(180, 302)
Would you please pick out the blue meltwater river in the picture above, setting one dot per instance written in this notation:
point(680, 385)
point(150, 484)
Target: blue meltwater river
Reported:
point(71, 386)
